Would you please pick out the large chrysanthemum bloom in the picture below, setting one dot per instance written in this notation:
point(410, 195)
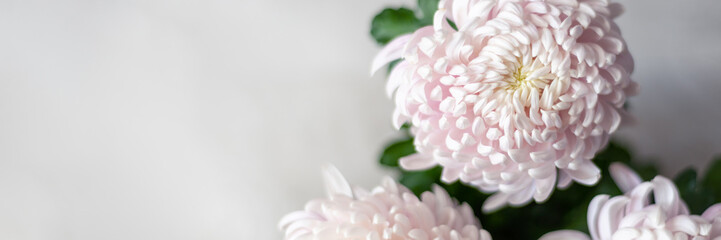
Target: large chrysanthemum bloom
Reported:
point(633, 216)
point(389, 211)
point(518, 99)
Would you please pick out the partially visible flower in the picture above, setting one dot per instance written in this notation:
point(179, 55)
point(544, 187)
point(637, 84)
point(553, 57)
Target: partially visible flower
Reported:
point(518, 99)
point(389, 211)
point(635, 216)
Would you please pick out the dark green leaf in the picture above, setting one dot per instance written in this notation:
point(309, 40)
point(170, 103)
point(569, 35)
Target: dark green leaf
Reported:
point(612, 153)
point(689, 189)
point(395, 151)
point(686, 182)
point(453, 24)
point(421, 181)
point(391, 23)
point(712, 178)
point(646, 171)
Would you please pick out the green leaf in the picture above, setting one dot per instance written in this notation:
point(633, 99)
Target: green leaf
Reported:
point(712, 178)
point(421, 181)
point(453, 24)
point(646, 171)
point(391, 23)
point(697, 197)
point(686, 182)
point(428, 9)
point(612, 153)
point(395, 151)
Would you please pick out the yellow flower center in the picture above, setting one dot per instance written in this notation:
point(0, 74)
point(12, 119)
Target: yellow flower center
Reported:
point(526, 82)
point(517, 79)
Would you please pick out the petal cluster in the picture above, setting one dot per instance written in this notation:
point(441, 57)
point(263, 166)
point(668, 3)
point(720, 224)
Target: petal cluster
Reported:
point(517, 98)
point(650, 210)
point(389, 211)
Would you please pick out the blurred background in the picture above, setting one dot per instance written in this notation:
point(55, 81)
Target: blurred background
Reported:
point(210, 119)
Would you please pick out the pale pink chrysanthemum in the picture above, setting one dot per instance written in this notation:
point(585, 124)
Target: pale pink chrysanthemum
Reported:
point(519, 98)
point(389, 211)
point(634, 216)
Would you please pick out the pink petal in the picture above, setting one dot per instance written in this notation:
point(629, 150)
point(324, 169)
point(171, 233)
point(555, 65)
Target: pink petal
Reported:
point(495, 201)
point(565, 235)
point(459, 12)
point(712, 212)
point(625, 178)
point(416, 38)
point(392, 51)
point(417, 162)
point(610, 216)
point(684, 224)
point(544, 187)
point(628, 233)
point(297, 216)
point(593, 210)
point(586, 173)
point(396, 78)
point(715, 229)
point(632, 219)
point(666, 195)
point(564, 180)
point(451, 174)
point(638, 198)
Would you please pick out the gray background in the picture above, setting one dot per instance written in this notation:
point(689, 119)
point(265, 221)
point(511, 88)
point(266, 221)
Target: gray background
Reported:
point(210, 119)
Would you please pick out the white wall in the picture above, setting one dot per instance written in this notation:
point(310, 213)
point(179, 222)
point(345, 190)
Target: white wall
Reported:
point(210, 119)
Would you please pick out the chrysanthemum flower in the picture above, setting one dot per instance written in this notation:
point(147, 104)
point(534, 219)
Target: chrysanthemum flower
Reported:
point(519, 98)
point(389, 211)
point(633, 216)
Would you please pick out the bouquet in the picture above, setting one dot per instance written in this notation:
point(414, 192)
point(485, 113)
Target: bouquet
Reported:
point(507, 109)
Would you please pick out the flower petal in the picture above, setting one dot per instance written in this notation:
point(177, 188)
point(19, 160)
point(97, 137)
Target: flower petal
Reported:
point(625, 178)
point(335, 183)
point(565, 235)
point(712, 212)
point(392, 51)
point(417, 162)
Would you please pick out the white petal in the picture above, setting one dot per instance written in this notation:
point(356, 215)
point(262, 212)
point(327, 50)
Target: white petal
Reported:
point(335, 183)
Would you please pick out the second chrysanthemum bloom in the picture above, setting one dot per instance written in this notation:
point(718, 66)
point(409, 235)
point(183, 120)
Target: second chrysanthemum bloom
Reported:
point(517, 98)
point(388, 212)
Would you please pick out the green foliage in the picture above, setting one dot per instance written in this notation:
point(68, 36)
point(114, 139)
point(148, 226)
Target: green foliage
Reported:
point(395, 151)
point(712, 180)
point(696, 196)
point(699, 194)
point(391, 23)
point(428, 9)
point(566, 208)
point(453, 25)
